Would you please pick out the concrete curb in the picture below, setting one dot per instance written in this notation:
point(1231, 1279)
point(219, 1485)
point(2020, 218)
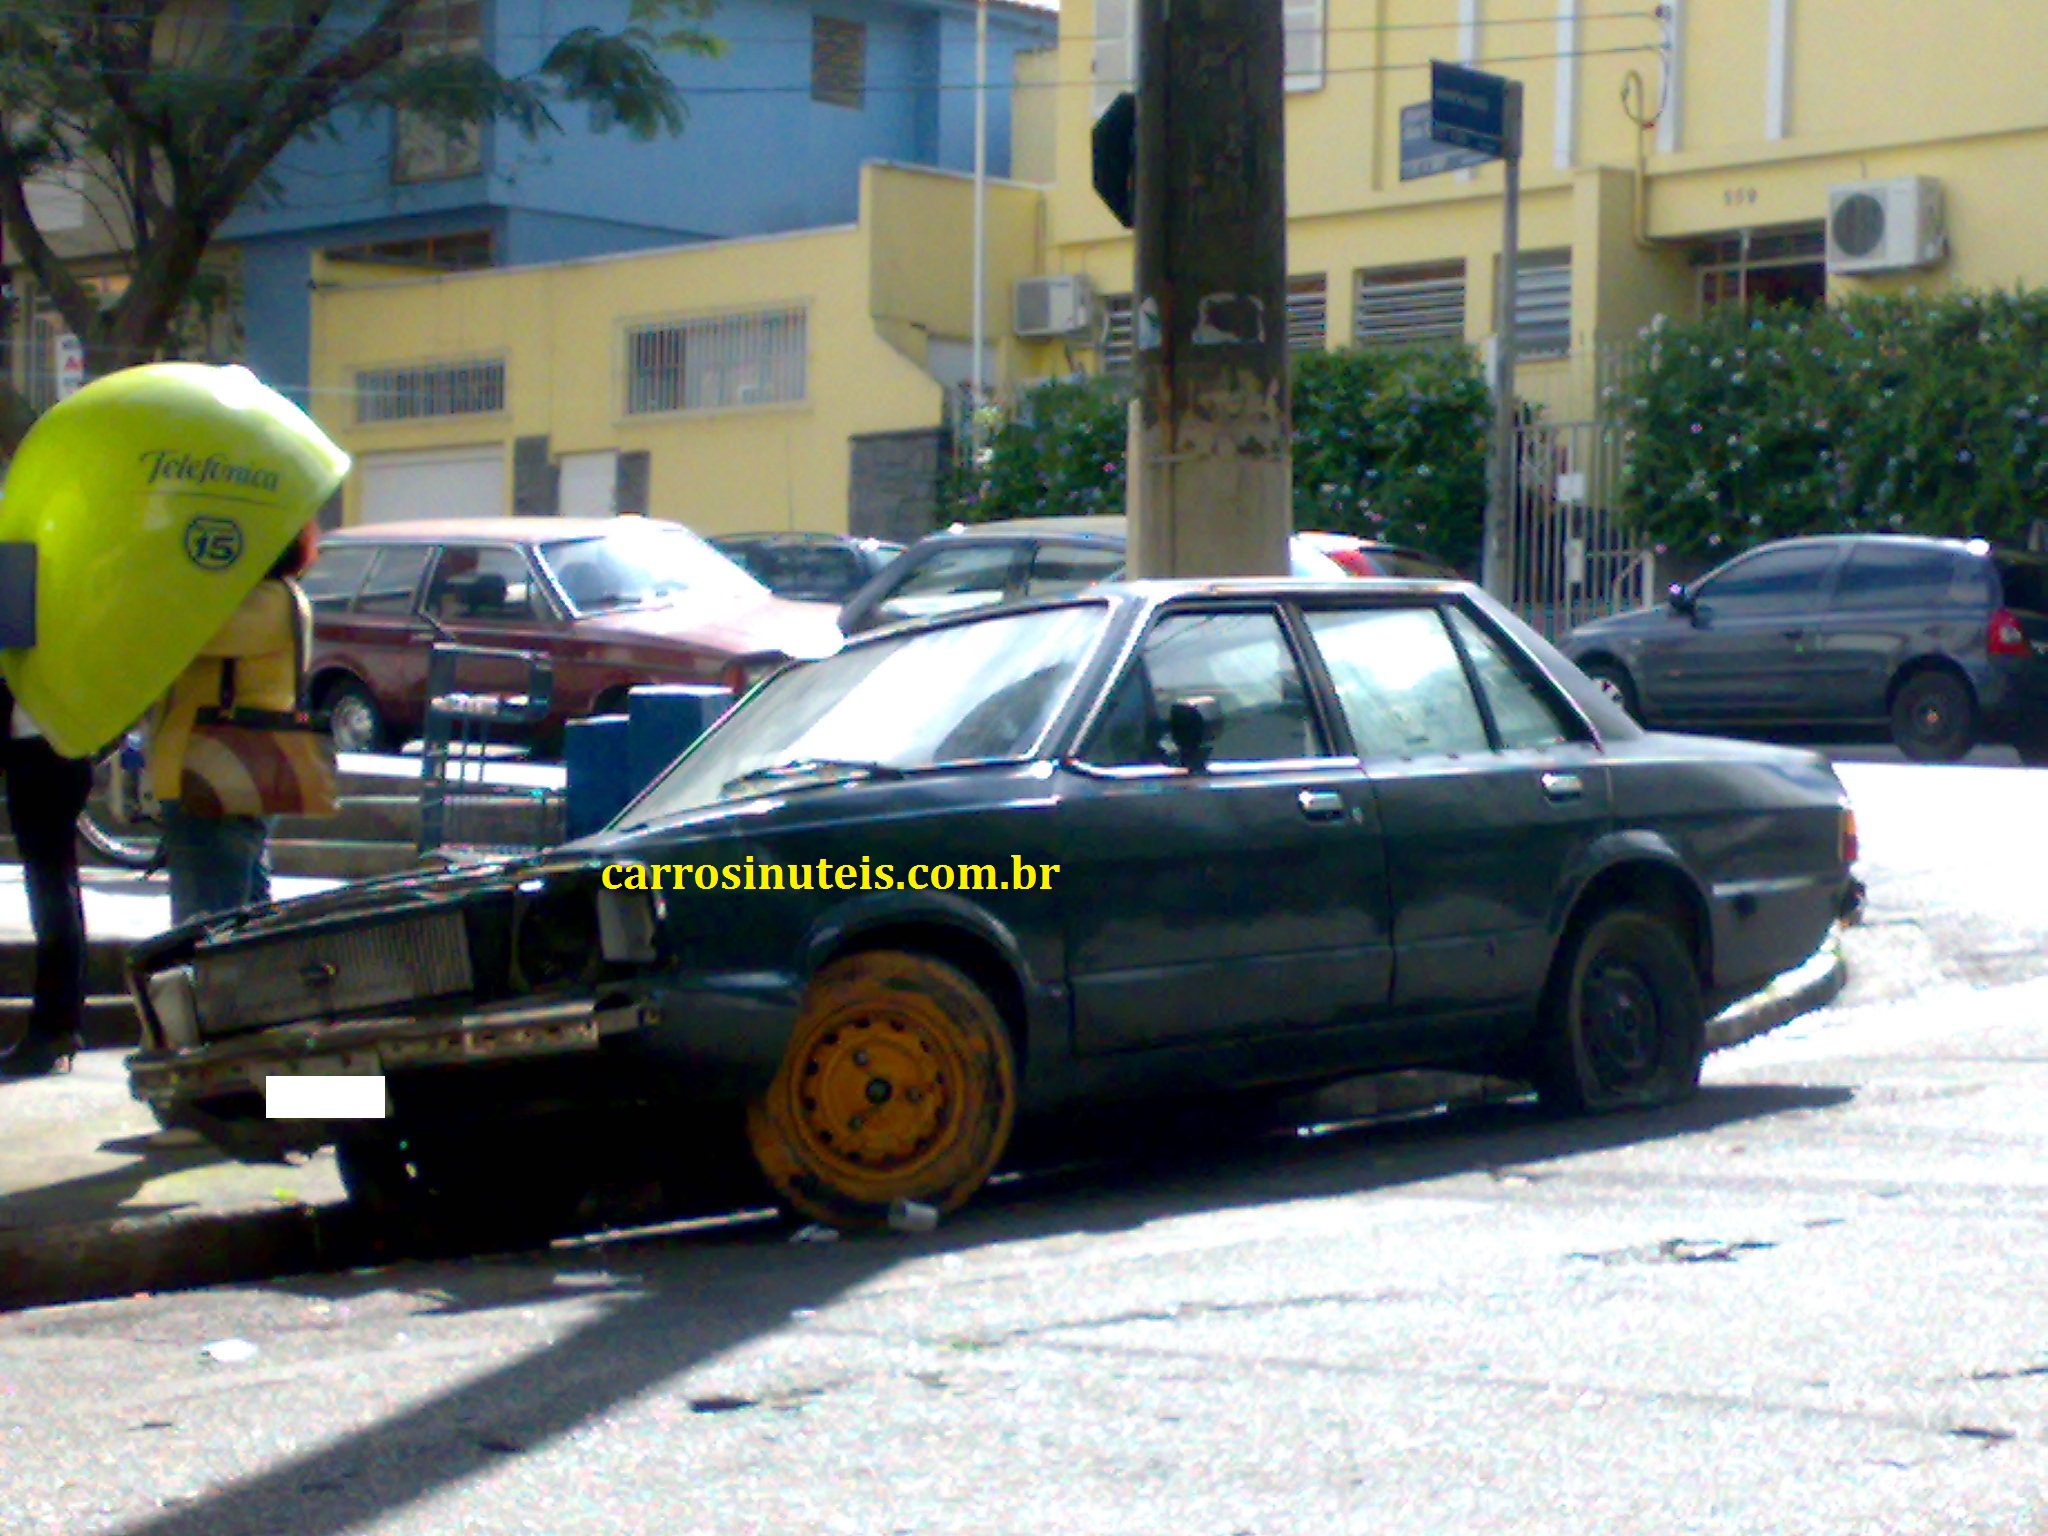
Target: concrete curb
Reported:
point(87, 1261)
point(46, 1266)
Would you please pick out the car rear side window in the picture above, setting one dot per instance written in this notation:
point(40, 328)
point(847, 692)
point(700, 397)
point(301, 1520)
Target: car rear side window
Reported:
point(1881, 577)
point(1400, 681)
point(1776, 581)
point(393, 579)
point(1523, 716)
point(2023, 582)
point(335, 577)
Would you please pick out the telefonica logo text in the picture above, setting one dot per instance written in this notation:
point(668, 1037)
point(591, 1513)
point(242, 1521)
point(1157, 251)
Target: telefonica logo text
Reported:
point(172, 464)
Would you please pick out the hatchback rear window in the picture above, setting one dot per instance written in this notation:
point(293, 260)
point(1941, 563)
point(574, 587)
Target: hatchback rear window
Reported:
point(2025, 580)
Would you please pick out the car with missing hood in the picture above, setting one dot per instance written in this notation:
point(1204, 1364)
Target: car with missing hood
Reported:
point(1146, 840)
point(608, 603)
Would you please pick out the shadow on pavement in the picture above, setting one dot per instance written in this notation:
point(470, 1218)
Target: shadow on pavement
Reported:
point(699, 1293)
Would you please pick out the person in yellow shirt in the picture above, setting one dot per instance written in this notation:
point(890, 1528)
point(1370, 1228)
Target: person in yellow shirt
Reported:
point(219, 863)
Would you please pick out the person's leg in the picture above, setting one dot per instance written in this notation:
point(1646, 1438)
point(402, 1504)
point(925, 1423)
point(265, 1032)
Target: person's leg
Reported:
point(45, 793)
point(215, 862)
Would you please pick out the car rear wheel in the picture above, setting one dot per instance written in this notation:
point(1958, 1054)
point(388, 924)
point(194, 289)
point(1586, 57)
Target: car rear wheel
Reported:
point(353, 717)
point(899, 1083)
point(1934, 717)
point(1623, 1025)
point(1612, 679)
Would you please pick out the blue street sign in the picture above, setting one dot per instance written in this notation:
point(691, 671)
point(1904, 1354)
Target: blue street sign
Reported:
point(1423, 155)
point(1468, 108)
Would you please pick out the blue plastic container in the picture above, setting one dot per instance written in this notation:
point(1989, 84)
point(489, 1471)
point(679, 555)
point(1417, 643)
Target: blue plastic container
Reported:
point(594, 756)
point(664, 719)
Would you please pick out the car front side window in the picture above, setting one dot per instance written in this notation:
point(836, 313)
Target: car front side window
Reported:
point(1776, 581)
point(967, 576)
point(1239, 659)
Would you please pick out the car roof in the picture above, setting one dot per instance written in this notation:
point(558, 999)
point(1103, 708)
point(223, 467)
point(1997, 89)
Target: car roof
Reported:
point(1093, 525)
point(498, 530)
point(796, 536)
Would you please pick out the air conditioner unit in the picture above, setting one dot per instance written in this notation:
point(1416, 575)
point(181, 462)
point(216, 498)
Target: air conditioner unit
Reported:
point(1886, 226)
point(1054, 306)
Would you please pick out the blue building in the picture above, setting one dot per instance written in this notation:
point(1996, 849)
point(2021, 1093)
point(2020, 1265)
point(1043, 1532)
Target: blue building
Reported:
point(779, 125)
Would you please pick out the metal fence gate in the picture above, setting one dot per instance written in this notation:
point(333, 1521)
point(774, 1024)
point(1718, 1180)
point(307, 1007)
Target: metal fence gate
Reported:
point(1571, 556)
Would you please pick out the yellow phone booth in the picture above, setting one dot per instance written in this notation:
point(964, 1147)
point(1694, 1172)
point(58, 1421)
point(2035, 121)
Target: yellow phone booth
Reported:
point(154, 500)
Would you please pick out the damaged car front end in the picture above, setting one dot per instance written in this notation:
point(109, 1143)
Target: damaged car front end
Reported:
point(514, 963)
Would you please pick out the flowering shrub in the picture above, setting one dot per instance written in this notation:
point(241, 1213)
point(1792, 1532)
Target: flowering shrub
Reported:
point(1387, 444)
point(1909, 415)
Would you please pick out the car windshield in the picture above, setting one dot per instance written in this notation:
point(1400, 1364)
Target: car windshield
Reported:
point(970, 692)
point(642, 565)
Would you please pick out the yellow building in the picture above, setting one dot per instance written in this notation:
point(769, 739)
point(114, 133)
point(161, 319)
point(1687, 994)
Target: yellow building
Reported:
point(1675, 157)
point(793, 381)
point(1678, 157)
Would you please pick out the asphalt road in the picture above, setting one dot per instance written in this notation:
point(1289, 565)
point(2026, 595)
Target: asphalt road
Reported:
point(1808, 1302)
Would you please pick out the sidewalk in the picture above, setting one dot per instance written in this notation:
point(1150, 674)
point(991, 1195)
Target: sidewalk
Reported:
point(93, 1204)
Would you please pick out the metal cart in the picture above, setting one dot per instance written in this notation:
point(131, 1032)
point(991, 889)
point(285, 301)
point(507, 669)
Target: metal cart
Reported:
point(475, 794)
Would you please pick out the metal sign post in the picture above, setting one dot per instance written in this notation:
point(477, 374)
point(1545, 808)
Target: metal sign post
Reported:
point(1482, 113)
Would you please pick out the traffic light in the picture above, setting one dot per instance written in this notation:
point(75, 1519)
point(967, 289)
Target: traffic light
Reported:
point(1116, 158)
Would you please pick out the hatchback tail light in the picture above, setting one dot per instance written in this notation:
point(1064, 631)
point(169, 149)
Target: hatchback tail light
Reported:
point(1850, 846)
point(2004, 637)
point(1356, 561)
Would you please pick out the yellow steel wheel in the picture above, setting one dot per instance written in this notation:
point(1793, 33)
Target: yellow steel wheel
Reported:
point(899, 1084)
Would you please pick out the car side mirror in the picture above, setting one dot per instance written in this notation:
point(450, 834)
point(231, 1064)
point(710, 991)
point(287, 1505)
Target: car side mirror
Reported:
point(1192, 724)
point(1681, 598)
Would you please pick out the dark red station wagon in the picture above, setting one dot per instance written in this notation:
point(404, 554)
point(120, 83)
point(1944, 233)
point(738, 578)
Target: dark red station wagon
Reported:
point(610, 602)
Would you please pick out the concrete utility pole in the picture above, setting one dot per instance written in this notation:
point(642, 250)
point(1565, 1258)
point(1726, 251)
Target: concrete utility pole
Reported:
point(1209, 466)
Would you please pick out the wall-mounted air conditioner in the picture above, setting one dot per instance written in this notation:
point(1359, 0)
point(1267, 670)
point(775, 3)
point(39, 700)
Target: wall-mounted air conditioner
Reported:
point(1886, 226)
point(1063, 305)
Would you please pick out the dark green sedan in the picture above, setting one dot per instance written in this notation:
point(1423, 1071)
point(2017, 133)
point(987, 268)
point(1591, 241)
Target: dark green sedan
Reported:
point(1150, 840)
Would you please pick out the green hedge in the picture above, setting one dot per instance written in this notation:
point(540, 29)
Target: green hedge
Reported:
point(1911, 415)
point(1387, 444)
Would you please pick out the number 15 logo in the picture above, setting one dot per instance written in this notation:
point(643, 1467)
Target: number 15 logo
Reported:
point(213, 543)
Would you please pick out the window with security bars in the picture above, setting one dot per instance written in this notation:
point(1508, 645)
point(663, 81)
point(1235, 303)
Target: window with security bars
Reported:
point(1308, 313)
point(839, 61)
point(1403, 306)
point(1119, 341)
point(1543, 304)
point(415, 393)
point(716, 363)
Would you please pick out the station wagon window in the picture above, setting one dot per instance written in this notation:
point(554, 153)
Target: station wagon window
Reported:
point(483, 586)
point(967, 576)
point(1242, 661)
point(1522, 716)
point(1064, 567)
point(394, 579)
point(1777, 581)
point(335, 576)
point(1398, 677)
point(1880, 576)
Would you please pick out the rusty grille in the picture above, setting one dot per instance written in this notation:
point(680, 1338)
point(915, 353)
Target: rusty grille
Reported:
point(324, 975)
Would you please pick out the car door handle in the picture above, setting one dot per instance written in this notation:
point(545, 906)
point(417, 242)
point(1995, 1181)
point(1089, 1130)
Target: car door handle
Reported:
point(1563, 786)
point(1321, 804)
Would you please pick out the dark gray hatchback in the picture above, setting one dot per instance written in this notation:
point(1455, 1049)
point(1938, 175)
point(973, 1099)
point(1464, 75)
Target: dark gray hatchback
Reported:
point(1937, 645)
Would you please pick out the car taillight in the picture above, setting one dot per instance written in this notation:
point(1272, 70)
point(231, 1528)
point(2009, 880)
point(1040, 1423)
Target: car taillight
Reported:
point(1356, 561)
point(1850, 847)
point(2005, 637)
